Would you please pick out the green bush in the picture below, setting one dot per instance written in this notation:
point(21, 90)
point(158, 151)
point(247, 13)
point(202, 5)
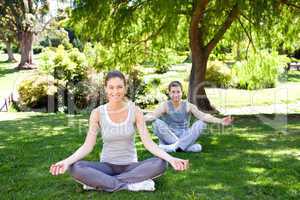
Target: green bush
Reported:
point(34, 91)
point(69, 68)
point(37, 49)
point(218, 74)
point(67, 65)
point(161, 69)
point(153, 93)
point(2, 46)
point(153, 97)
point(55, 38)
point(14, 48)
point(136, 84)
point(161, 60)
point(261, 70)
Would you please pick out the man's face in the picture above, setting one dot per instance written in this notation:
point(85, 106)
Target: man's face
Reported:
point(175, 93)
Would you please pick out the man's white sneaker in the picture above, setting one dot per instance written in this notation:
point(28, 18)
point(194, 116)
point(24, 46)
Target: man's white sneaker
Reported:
point(194, 148)
point(168, 147)
point(147, 185)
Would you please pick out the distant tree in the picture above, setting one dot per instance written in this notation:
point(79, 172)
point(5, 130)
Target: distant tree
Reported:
point(23, 17)
point(8, 37)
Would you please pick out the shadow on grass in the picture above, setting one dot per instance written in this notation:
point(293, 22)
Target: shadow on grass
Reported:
point(248, 161)
point(5, 71)
point(294, 76)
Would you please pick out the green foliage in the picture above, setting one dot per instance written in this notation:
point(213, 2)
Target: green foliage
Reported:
point(130, 36)
point(152, 94)
point(37, 49)
point(103, 58)
point(261, 70)
point(2, 46)
point(67, 65)
point(163, 59)
point(69, 68)
point(35, 90)
point(218, 74)
point(55, 37)
point(136, 84)
point(14, 48)
point(153, 97)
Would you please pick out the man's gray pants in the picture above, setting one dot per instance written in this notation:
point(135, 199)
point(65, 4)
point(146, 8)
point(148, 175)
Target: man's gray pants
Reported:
point(184, 137)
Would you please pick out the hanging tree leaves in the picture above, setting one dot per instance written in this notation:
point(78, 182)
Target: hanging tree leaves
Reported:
point(145, 25)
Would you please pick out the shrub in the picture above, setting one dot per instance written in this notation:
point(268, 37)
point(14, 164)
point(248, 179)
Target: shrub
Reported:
point(2, 46)
point(136, 84)
point(161, 69)
point(69, 68)
point(261, 70)
point(153, 97)
point(67, 65)
point(152, 94)
point(37, 49)
point(14, 48)
point(34, 91)
point(218, 74)
point(55, 38)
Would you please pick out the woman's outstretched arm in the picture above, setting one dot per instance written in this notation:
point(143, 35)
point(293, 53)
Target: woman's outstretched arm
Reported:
point(177, 164)
point(207, 117)
point(88, 145)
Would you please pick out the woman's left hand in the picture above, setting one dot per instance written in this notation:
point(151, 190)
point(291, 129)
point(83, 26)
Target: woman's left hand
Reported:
point(227, 120)
point(179, 164)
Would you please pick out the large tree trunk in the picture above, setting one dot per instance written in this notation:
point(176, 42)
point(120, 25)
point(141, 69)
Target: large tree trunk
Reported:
point(197, 94)
point(26, 50)
point(200, 54)
point(10, 54)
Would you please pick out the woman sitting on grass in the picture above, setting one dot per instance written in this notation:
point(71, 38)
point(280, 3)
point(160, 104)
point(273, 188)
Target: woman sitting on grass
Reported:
point(173, 128)
point(119, 168)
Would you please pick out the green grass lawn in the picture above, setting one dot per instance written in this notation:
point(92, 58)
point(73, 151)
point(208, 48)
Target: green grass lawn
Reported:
point(9, 76)
point(248, 160)
point(286, 92)
point(294, 76)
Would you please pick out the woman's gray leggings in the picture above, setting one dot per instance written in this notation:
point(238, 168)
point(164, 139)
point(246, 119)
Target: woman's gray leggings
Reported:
point(110, 177)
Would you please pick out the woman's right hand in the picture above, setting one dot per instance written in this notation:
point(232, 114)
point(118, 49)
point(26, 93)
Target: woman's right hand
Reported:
point(179, 164)
point(59, 168)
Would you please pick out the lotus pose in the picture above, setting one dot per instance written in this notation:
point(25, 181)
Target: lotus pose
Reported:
point(171, 123)
point(118, 168)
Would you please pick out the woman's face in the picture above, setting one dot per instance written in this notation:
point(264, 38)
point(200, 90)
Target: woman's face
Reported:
point(175, 93)
point(115, 90)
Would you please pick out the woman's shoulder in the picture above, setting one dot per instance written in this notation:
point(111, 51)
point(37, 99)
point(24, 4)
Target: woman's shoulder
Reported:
point(95, 114)
point(133, 106)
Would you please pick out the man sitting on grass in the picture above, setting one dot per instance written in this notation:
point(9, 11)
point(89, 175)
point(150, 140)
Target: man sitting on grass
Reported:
point(173, 128)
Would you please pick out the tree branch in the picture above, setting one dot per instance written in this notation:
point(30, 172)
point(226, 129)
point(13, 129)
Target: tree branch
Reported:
point(44, 26)
point(247, 34)
point(291, 4)
point(218, 36)
point(197, 17)
point(154, 34)
point(247, 18)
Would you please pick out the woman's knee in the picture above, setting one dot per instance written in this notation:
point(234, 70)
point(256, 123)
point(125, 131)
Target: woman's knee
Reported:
point(200, 125)
point(76, 166)
point(160, 164)
point(157, 124)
